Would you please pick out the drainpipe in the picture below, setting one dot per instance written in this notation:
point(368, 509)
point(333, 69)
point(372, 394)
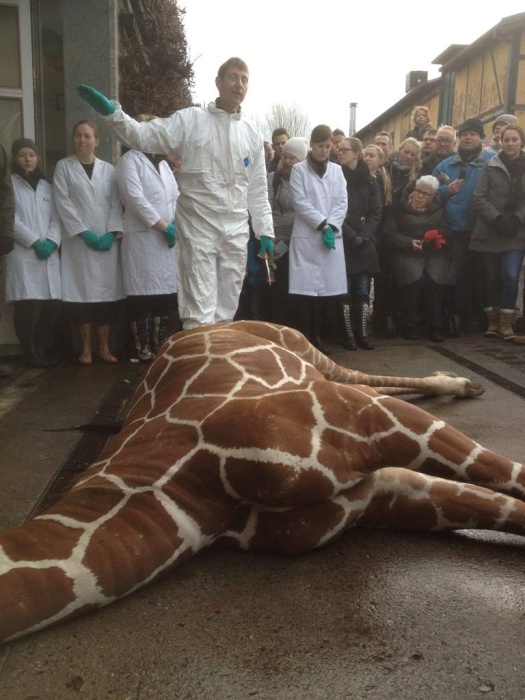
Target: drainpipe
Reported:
point(353, 108)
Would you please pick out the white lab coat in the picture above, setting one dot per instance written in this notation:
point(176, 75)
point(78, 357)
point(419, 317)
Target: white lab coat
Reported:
point(26, 276)
point(83, 204)
point(149, 266)
point(316, 270)
point(222, 177)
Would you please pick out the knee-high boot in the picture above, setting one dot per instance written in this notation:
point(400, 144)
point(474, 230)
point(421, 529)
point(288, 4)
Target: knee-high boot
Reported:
point(363, 340)
point(349, 342)
point(317, 320)
point(141, 329)
point(103, 345)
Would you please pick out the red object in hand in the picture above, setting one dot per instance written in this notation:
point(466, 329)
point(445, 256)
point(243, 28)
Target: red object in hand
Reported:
point(435, 237)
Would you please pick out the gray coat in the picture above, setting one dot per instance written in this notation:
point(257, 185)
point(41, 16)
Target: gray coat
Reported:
point(401, 226)
point(490, 197)
point(282, 207)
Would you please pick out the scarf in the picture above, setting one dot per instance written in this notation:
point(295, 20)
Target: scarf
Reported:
point(32, 178)
point(319, 167)
point(359, 176)
point(469, 156)
point(516, 169)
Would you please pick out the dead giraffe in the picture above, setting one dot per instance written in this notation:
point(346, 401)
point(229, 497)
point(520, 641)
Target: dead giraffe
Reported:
point(243, 434)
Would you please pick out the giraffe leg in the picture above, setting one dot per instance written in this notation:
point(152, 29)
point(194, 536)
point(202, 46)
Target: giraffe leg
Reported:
point(439, 384)
point(428, 445)
point(393, 498)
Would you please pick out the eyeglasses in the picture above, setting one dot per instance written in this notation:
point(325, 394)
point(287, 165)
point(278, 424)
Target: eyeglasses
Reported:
point(344, 150)
point(423, 194)
point(444, 140)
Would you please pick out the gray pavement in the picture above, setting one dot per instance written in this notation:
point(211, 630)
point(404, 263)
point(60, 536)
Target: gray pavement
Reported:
point(378, 615)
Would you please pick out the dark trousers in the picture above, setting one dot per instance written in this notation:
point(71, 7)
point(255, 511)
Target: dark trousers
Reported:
point(282, 304)
point(466, 297)
point(411, 296)
point(35, 322)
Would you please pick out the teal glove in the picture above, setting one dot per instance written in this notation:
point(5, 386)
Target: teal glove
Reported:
point(90, 239)
point(266, 246)
point(48, 247)
point(96, 99)
point(170, 234)
point(106, 241)
point(329, 237)
point(38, 247)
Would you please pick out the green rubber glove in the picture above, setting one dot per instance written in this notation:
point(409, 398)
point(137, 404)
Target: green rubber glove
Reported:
point(170, 234)
point(90, 239)
point(96, 99)
point(329, 237)
point(48, 247)
point(106, 241)
point(266, 246)
point(37, 247)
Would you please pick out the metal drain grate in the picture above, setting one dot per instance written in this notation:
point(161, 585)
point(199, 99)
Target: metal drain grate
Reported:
point(90, 445)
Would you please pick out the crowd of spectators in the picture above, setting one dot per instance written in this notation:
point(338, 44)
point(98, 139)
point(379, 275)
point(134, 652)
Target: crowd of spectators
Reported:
point(426, 237)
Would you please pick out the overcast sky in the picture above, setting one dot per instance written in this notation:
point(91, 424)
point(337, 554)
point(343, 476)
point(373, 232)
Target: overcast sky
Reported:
point(322, 57)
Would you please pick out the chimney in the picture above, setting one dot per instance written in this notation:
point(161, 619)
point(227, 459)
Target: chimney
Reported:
point(415, 78)
point(353, 109)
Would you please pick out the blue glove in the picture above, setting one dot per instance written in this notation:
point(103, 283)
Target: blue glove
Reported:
point(266, 246)
point(96, 99)
point(329, 237)
point(106, 241)
point(90, 239)
point(170, 234)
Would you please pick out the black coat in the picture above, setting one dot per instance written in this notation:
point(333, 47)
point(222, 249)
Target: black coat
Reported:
point(403, 225)
point(361, 222)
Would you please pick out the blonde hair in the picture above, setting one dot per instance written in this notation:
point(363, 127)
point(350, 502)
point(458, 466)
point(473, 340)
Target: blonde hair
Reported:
point(383, 179)
point(420, 108)
point(416, 165)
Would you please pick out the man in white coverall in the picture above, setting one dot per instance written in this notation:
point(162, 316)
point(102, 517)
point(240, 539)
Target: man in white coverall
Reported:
point(222, 178)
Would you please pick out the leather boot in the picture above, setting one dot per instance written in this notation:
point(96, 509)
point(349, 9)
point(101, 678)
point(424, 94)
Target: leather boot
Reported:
point(349, 342)
point(363, 340)
point(493, 319)
point(505, 321)
point(84, 335)
point(103, 345)
point(141, 329)
point(315, 337)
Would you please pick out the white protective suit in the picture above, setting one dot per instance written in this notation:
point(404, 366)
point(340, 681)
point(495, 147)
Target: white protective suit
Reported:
point(26, 276)
point(149, 266)
point(222, 177)
point(316, 270)
point(83, 204)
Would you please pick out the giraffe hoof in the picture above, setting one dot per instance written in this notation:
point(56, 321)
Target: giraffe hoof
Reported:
point(473, 388)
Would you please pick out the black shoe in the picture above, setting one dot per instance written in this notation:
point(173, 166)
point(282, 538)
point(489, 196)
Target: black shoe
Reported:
point(410, 334)
point(318, 343)
point(436, 336)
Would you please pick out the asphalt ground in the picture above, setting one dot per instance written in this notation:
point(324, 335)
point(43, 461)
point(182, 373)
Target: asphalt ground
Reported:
point(378, 615)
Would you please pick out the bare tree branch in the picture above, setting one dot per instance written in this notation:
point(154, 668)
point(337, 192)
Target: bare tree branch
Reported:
point(289, 117)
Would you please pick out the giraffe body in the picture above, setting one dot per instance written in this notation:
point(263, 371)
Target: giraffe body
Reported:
point(244, 435)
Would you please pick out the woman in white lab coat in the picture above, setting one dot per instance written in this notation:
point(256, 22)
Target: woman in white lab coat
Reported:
point(88, 204)
point(32, 269)
point(317, 261)
point(148, 190)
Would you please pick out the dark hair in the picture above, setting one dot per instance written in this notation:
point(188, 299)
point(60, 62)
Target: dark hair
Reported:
point(321, 133)
point(385, 133)
point(233, 62)
point(338, 132)
point(280, 131)
point(430, 132)
point(87, 123)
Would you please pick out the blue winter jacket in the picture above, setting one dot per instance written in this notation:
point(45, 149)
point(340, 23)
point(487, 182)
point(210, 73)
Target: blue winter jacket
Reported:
point(459, 208)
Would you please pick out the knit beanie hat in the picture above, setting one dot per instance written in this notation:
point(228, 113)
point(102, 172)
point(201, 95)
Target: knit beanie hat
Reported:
point(22, 143)
point(296, 146)
point(505, 119)
point(475, 125)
